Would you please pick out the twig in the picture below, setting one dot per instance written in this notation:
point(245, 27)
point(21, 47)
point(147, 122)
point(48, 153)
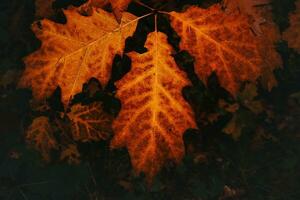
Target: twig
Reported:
point(144, 5)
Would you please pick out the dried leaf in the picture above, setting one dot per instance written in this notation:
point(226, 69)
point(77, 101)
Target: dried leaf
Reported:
point(248, 7)
point(71, 154)
point(154, 114)
point(74, 52)
point(40, 136)
point(247, 97)
point(90, 122)
point(223, 44)
point(268, 40)
point(292, 34)
point(234, 127)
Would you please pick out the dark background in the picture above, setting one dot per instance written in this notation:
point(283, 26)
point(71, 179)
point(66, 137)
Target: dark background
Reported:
point(215, 167)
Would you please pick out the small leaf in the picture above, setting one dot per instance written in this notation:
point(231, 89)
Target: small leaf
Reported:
point(71, 154)
point(292, 34)
point(234, 127)
point(40, 136)
point(90, 122)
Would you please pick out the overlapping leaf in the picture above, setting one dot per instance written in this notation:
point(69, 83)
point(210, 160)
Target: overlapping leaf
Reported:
point(248, 7)
point(223, 44)
point(154, 114)
point(74, 52)
point(90, 122)
point(70, 154)
point(40, 136)
point(292, 34)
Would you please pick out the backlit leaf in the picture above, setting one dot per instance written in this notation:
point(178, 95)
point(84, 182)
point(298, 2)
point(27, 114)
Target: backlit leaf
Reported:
point(90, 122)
point(223, 44)
point(154, 114)
point(74, 52)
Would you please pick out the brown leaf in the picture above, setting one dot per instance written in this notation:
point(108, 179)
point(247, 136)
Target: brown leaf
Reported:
point(234, 127)
point(248, 7)
point(267, 49)
point(90, 122)
point(292, 34)
point(71, 154)
point(40, 136)
point(154, 114)
point(74, 52)
point(224, 44)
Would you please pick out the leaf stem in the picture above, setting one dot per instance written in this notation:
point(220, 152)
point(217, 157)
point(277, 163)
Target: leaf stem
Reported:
point(144, 5)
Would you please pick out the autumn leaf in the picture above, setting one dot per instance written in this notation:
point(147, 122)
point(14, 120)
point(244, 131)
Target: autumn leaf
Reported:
point(90, 122)
point(292, 34)
point(71, 154)
point(234, 127)
point(74, 52)
point(267, 48)
point(223, 44)
point(247, 98)
point(118, 6)
point(40, 136)
point(248, 7)
point(154, 114)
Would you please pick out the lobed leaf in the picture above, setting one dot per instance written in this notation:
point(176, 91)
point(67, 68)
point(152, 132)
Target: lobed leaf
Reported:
point(223, 44)
point(90, 122)
point(154, 114)
point(74, 52)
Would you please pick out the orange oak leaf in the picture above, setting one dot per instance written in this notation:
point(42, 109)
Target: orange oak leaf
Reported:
point(292, 34)
point(74, 52)
point(40, 136)
point(223, 44)
point(90, 122)
point(154, 114)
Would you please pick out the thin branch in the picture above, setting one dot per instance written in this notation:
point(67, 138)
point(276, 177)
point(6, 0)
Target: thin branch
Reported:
point(144, 5)
point(163, 12)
